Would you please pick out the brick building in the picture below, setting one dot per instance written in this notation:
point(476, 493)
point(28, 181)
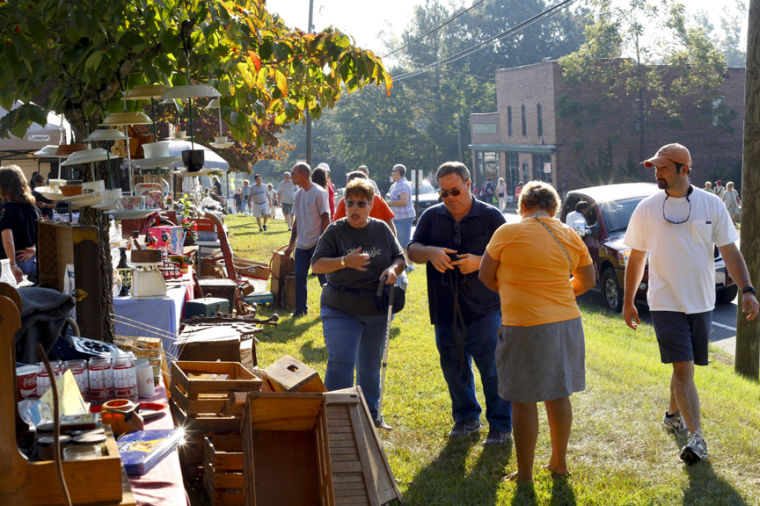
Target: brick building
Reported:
point(575, 136)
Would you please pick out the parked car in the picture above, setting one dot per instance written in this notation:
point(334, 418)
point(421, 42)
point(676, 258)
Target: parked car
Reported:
point(428, 196)
point(607, 220)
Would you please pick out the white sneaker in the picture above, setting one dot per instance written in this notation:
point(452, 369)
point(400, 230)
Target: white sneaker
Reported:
point(674, 423)
point(695, 450)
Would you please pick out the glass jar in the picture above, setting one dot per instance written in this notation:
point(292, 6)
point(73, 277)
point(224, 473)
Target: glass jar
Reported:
point(79, 369)
point(124, 377)
point(43, 379)
point(101, 380)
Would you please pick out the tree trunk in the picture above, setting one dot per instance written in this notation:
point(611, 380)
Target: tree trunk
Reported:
point(93, 217)
point(747, 359)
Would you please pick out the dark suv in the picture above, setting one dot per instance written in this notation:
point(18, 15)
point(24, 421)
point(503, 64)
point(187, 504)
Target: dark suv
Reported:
point(606, 222)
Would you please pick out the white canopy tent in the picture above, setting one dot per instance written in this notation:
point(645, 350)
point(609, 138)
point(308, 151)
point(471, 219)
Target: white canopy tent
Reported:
point(56, 131)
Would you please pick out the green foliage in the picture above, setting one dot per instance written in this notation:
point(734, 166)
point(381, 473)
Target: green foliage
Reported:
point(421, 122)
point(618, 452)
point(79, 57)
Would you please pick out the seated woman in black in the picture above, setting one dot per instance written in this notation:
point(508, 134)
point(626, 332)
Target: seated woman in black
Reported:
point(18, 223)
point(45, 205)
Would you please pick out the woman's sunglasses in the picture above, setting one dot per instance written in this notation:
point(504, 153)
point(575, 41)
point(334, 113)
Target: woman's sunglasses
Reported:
point(361, 204)
point(455, 192)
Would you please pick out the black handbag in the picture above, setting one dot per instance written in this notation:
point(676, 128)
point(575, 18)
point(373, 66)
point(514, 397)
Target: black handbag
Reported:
point(387, 294)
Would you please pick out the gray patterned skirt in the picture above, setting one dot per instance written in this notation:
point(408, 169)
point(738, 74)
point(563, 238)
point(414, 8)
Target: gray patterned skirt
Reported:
point(542, 362)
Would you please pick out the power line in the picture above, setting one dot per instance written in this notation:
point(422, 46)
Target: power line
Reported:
point(452, 18)
point(477, 47)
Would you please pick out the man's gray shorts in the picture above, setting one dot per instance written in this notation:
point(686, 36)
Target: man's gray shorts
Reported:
point(287, 208)
point(682, 337)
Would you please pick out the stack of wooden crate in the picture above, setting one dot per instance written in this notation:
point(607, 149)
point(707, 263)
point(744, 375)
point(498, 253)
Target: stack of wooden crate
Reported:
point(223, 469)
point(208, 398)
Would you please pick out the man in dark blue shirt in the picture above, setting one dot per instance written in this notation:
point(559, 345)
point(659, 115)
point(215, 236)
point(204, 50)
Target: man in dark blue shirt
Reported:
point(451, 237)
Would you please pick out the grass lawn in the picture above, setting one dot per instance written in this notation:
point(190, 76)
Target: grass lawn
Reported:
point(618, 454)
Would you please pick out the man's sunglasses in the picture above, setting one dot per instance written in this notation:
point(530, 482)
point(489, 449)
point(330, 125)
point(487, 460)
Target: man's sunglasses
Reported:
point(454, 192)
point(361, 204)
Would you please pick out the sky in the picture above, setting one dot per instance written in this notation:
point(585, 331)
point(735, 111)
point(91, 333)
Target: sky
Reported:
point(370, 21)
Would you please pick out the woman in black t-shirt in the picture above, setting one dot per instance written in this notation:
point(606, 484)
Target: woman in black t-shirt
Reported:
point(355, 253)
point(18, 223)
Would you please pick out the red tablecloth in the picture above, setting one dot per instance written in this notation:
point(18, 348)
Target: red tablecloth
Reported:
point(163, 484)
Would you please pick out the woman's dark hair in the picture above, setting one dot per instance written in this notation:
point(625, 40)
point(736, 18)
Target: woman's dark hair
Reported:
point(400, 169)
point(13, 186)
point(354, 175)
point(360, 188)
point(539, 195)
point(319, 176)
point(447, 168)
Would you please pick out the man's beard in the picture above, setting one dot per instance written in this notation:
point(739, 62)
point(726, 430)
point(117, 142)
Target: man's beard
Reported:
point(662, 184)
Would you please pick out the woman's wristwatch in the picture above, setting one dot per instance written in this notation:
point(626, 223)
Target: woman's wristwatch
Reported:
point(749, 288)
point(343, 262)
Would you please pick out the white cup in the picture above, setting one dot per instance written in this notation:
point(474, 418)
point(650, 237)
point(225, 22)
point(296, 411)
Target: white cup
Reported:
point(145, 385)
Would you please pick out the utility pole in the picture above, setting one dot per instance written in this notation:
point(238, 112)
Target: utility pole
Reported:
point(308, 115)
point(747, 359)
point(459, 137)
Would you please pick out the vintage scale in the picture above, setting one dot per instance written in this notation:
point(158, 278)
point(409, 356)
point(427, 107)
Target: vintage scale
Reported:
point(147, 280)
point(27, 482)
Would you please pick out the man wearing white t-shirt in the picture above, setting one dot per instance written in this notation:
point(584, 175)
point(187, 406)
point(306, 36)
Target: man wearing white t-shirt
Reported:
point(577, 219)
point(312, 213)
point(679, 228)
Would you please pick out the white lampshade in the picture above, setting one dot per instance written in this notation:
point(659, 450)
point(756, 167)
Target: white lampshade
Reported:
point(191, 91)
point(86, 156)
point(126, 118)
point(106, 134)
point(214, 104)
point(47, 151)
point(146, 92)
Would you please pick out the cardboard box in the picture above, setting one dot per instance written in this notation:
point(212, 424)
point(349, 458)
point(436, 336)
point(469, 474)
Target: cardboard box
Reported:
point(170, 239)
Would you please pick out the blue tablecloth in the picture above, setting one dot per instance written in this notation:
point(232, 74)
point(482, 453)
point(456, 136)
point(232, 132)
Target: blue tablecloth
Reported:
point(151, 316)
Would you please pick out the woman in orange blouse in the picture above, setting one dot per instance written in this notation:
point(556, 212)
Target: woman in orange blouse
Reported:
point(538, 266)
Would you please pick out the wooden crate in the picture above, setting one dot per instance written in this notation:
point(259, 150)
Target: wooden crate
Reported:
point(360, 471)
point(285, 447)
point(290, 375)
point(196, 377)
point(203, 405)
point(41, 485)
point(226, 341)
point(223, 468)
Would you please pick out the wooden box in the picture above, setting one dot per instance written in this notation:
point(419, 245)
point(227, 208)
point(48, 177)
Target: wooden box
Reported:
point(282, 267)
point(205, 405)
point(223, 468)
point(228, 341)
point(199, 396)
point(221, 288)
point(360, 471)
point(290, 375)
point(41, 485)
point(285, 448)
point(59, 244)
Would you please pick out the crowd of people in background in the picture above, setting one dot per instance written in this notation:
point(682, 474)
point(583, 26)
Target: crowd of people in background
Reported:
point(729, 195)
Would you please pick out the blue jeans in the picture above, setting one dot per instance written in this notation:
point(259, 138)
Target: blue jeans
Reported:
point(302, 264)
point(29, 267)
point(480, 344)
point(403, 230)
point(354, 341)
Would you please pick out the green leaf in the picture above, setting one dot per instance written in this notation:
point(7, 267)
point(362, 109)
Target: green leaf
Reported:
point(93, 60)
